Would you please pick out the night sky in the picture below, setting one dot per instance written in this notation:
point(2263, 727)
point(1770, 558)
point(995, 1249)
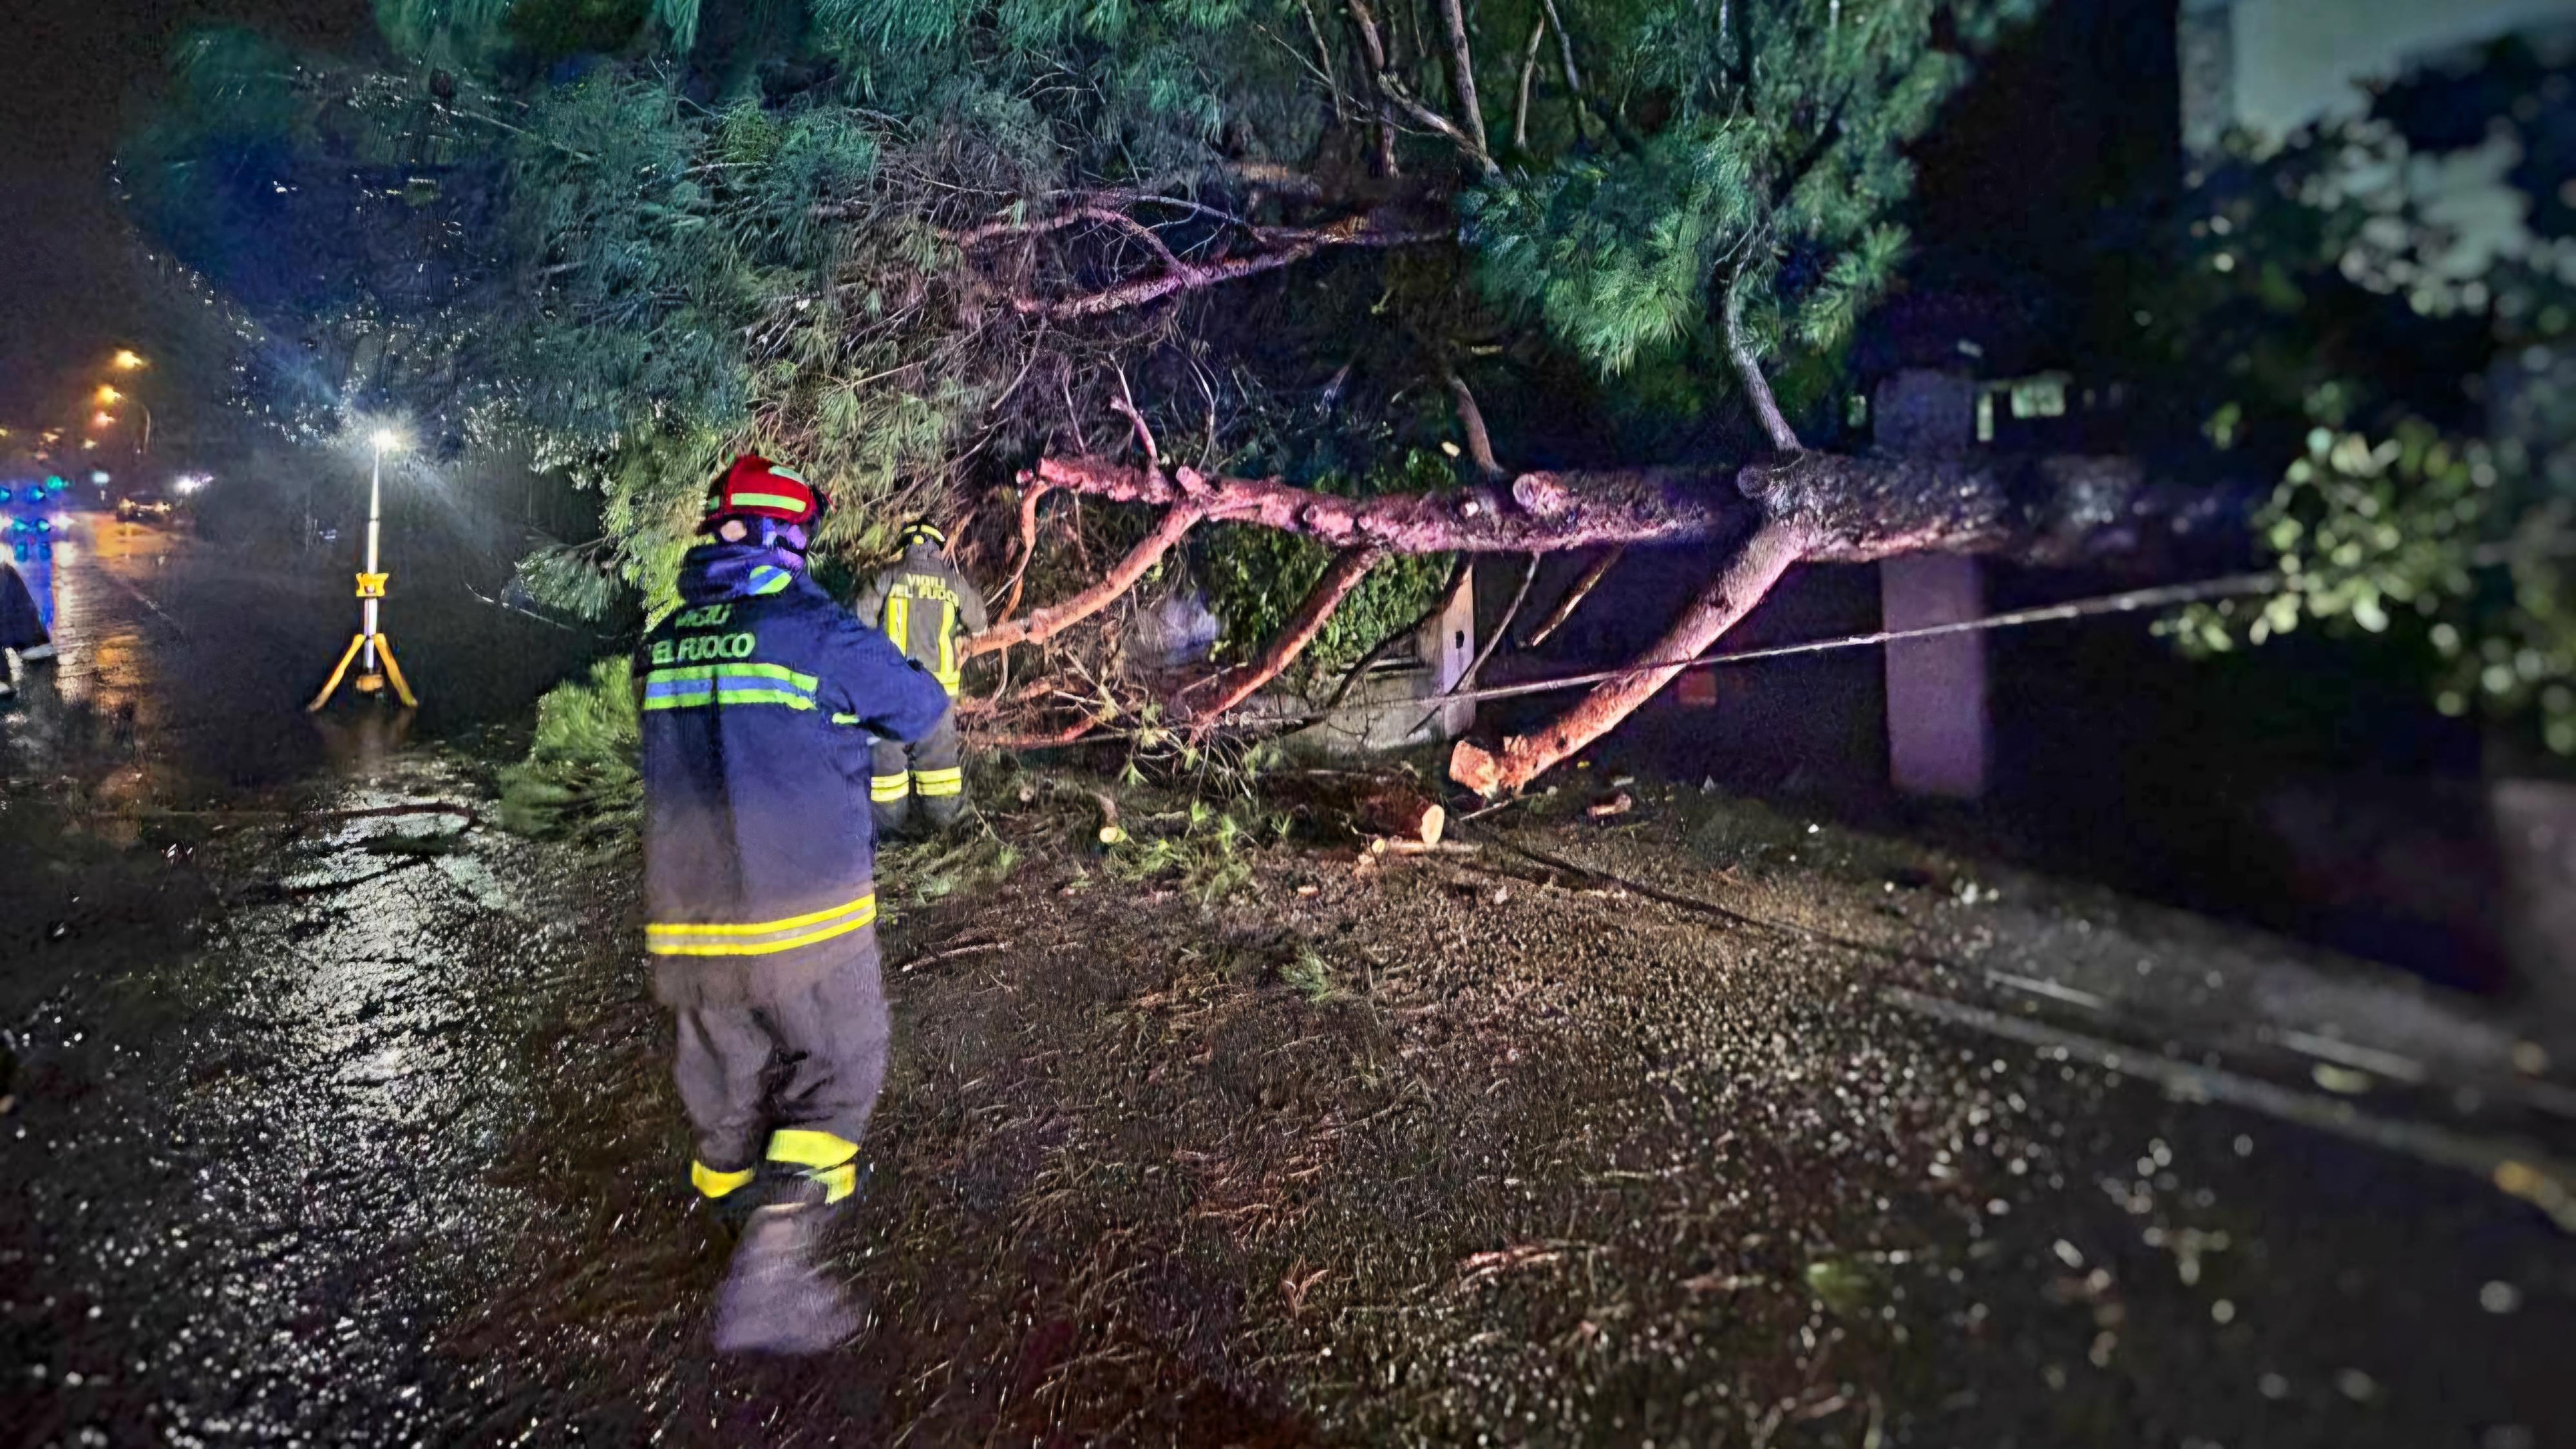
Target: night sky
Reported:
point(75, 75)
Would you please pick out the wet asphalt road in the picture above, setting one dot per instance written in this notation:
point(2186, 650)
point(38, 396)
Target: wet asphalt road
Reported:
point(247, 1119)
point(263, 1070)
point(190, 664)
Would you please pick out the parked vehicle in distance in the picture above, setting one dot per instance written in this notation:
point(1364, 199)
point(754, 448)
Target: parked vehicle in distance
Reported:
point(144, 504)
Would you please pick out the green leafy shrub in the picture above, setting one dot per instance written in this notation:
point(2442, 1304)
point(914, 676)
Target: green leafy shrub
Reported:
point(2427, 502)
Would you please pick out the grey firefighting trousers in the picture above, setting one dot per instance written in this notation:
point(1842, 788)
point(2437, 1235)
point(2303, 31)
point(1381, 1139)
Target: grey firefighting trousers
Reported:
point(781, 1059)
point(928, 768)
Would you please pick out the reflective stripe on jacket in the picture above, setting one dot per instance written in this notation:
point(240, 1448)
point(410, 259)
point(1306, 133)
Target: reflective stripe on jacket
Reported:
point(760, 697)
point(923, 603)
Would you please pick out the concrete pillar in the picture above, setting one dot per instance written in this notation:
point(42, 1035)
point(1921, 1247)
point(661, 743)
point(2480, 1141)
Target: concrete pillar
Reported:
point(1936, 688)
point(2535, 828)
point(1448, 646)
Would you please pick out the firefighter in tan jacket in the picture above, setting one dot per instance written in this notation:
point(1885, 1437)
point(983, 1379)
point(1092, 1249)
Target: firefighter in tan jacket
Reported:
point(925, 606)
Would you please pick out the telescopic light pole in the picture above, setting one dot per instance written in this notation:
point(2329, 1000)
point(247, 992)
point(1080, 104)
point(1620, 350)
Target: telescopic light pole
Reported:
point(374, 651)
point(375, 531)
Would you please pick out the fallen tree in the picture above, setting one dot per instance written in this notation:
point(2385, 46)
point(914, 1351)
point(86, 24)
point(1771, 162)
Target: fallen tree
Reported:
point(1757, 522)
point(1295, 238)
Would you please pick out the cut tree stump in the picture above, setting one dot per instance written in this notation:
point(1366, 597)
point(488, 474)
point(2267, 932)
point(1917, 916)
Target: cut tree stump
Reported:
point(1400, 813)
point(1366, 805)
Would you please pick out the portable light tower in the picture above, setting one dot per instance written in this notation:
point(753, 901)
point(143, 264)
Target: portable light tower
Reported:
point(370, 641)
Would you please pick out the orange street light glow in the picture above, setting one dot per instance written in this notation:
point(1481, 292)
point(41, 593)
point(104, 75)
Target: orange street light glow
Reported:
point(127, 359)
point(108, 395)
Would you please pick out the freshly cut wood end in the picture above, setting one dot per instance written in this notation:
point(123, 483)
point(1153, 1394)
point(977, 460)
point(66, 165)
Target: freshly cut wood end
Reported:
point(1477, 768)
point(1402, 812)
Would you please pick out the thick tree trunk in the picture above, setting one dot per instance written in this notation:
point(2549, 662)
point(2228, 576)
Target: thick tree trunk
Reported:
point(1537, 513)
point(1045, 623)
point(1343, 576)
point(1804, 506)
point(1859, 509)
point(1728, 598)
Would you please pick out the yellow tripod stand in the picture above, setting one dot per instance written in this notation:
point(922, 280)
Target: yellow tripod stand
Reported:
point(371, 592)
point(374, 646)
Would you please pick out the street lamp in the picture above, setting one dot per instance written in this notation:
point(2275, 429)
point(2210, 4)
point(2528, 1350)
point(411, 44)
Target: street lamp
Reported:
point(371, 643)
point(129, 360)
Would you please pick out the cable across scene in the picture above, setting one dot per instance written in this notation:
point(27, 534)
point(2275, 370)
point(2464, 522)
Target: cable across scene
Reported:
point(2127, 601)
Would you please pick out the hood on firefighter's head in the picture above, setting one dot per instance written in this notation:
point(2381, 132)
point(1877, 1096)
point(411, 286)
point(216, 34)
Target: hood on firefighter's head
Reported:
point(713, 572)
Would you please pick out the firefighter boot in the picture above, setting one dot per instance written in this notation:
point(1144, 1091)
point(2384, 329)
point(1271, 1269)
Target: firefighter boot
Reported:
point(727, 1199)
point(780, 1295)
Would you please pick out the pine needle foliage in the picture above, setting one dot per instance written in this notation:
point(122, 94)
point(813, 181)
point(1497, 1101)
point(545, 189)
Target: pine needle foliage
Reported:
point(579, 781)
point(1769, 183)
point(671, 229)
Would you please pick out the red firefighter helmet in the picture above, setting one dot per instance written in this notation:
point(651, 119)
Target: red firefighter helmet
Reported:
point(758, 488)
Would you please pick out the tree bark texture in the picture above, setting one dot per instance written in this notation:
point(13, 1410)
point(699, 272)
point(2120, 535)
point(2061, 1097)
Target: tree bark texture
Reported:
point(1339, 579)
point(1856, 508)
point(1728, 598)
point(1041, 624)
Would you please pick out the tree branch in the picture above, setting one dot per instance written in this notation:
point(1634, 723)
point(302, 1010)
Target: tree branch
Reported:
point(1502, 627)
point(2047, 510)
point(1747, 577)
point(1564, 47)
point(1574, 597)
point(1100, 211)
point(1030, 495)
point(1125, 406)
point(1324, 59)
point(1392, 92)
point(1373, 51)
point(1529, 74)
point(1539, 512)
point(1347, 569)
point(1045, 623)
point(1292, 244)
point(1462, 78)
point(1757, 388)
point(1471, 421)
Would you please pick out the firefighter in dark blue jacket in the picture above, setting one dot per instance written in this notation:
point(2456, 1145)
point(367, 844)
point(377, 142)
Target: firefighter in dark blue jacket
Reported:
point(761, 699)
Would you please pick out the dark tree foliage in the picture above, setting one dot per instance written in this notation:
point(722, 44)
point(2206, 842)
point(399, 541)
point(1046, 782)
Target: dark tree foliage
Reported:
point(1249, 244)
point(2379, 311)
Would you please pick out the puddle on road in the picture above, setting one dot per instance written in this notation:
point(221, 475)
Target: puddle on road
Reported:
point(255, 1168)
